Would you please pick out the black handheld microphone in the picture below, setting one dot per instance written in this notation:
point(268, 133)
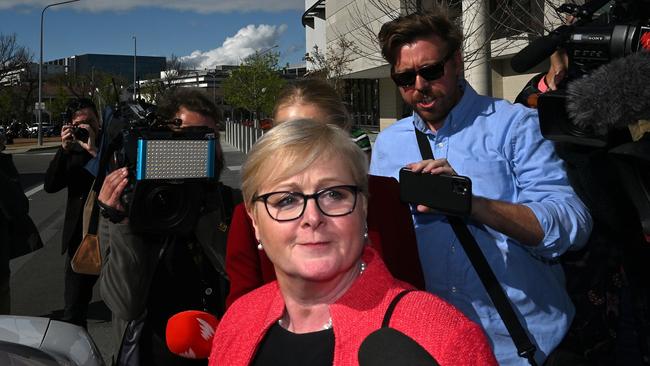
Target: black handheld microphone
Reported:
point(387, 346)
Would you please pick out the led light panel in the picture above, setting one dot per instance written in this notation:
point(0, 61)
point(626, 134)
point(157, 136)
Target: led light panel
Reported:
point(175, 159)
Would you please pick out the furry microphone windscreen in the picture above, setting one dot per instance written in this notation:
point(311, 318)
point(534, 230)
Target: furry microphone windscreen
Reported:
point(615, 95)
point(189, 333)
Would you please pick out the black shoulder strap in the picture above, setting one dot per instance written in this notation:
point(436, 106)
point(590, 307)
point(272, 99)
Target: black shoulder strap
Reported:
point(391, 308)
point(230, 197)
point(423, 143)
point(525, 348)
point(94, 215)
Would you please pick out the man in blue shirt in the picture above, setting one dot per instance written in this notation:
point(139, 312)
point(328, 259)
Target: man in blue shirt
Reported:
point(524, 213)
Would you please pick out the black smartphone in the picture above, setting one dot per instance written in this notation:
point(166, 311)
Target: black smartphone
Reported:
point(449, 194)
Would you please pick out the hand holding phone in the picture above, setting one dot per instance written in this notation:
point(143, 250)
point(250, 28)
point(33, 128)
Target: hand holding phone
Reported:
point(449, 194)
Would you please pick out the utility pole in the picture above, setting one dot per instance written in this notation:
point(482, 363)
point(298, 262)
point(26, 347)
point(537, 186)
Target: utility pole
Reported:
point(135, 58)
point(40, 75)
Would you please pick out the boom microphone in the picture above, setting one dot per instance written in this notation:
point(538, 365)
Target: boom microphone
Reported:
point(613, 96)
point(539, 49)
point(387, 346)
point(189, 334)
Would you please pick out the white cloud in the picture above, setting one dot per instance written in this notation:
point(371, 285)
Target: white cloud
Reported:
point(199, 6)
point(234, 49)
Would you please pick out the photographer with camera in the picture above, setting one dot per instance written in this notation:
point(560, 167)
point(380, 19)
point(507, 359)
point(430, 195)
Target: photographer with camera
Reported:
point(148, 276)
point(524, 214)
point(71, 168)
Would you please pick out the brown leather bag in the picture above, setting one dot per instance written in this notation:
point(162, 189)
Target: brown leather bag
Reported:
point(87, 259)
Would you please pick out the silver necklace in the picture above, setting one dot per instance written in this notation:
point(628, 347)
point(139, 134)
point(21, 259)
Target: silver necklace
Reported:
point(328, 325)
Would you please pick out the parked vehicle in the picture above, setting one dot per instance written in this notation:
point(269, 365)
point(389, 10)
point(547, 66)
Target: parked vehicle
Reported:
point(48, 130)
point(266, 123)
point(34, 341)
point(17, 129)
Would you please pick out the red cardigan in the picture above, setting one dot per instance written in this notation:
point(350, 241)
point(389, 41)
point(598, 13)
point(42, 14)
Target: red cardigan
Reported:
point(450, 337)
point(390, 228)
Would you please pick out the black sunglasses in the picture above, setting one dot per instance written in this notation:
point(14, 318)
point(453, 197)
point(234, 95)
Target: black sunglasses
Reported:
point(428, 72)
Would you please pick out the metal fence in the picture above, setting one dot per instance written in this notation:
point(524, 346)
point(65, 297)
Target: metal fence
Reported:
point(240, 136)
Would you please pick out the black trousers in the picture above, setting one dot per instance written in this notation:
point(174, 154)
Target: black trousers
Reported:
point(77, 294)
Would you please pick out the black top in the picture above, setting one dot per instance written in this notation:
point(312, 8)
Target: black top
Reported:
point(184, 280)
point(67, 170)
point(281, 347)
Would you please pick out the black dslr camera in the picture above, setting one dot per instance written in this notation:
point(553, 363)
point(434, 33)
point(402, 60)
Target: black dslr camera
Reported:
point(80, 134)
point(170, 169)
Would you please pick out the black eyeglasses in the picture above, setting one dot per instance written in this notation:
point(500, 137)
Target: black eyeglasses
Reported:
point(332, 201)
point(428, 72)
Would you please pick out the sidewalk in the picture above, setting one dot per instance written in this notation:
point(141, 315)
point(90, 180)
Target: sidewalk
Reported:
point(22, 145)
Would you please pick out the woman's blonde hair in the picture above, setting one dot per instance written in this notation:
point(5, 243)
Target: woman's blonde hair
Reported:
point(319, 94)
point(293, 146)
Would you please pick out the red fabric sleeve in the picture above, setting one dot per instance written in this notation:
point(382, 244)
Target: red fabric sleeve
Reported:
point(391, 231)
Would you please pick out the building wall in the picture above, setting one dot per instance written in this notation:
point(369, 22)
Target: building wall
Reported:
point(391, 103)
point(315, 36)
point(357, 20)
point(506, 83)
point(121, 65)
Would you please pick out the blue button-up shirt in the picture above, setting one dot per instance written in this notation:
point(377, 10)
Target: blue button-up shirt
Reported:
point(500, 147)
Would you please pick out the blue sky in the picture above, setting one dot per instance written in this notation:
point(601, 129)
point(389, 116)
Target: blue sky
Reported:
point(206, 32)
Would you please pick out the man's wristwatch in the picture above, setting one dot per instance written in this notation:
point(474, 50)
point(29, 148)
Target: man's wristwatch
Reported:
point(110, 213)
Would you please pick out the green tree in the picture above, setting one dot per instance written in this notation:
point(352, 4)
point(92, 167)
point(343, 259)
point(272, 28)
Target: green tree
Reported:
point(98, 86)
point(7, 108)
point(57, 105)
point(254, 86)
point(153, 90)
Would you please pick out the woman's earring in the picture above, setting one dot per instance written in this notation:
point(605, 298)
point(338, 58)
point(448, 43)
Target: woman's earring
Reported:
point(365, 235)
point(259, 245)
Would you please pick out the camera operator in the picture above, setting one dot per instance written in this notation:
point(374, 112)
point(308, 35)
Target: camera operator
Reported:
point(71, 168)
point(524, 213)
point(607, 278)
point(147, 278)
point(551, 80)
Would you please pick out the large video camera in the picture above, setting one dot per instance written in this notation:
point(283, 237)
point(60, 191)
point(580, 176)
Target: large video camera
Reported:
point(606, 94)
point(603, 31)
point(170, 169)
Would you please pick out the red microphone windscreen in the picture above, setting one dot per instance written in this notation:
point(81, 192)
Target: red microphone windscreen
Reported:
point(189, 333)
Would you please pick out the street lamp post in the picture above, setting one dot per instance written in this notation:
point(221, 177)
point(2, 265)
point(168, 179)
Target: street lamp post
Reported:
point(40, 74)
point(135, 58)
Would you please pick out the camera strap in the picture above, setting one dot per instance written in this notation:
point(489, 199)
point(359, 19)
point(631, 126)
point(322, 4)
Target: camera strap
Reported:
point(525, 348)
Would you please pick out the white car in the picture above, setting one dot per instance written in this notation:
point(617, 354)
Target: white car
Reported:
point(47, 129)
